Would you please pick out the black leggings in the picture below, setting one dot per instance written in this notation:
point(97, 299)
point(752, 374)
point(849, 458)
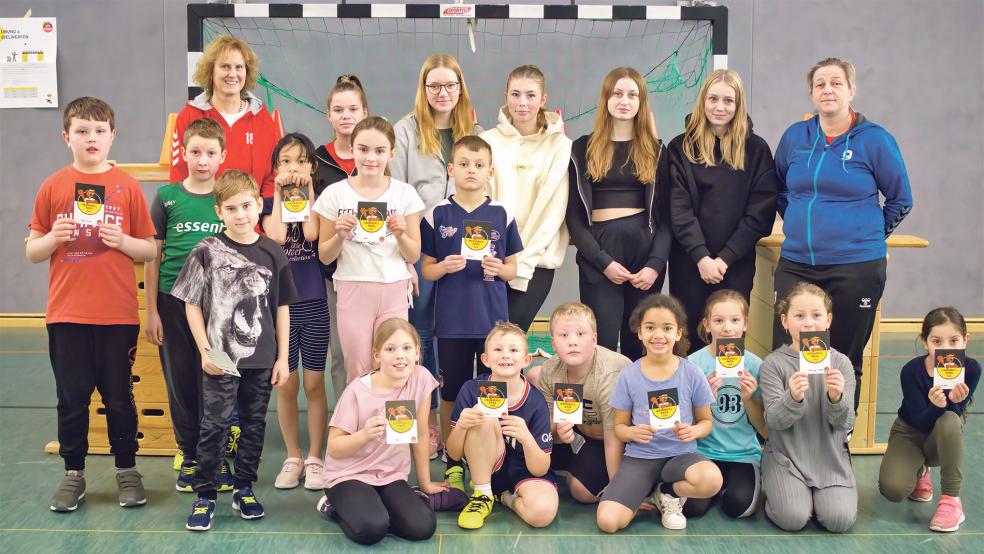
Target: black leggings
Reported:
point(86, 357)
point(739, 494)
point(524, 306)
point(687, 286)
point(366, 513)
point(856, 290)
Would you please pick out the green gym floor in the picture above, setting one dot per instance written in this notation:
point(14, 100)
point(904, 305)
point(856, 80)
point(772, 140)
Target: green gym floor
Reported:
point(28, 477)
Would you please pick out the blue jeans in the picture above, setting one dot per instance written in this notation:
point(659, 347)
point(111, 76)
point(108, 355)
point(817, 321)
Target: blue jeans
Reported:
point(422, 318)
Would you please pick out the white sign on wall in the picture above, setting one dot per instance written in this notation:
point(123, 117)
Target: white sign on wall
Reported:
point(28, 50)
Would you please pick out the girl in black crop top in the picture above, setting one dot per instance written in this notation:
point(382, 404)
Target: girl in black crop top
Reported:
point(620, 165)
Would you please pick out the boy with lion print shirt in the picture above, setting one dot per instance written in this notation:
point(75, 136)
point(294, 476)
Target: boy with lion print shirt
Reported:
point(236, 286)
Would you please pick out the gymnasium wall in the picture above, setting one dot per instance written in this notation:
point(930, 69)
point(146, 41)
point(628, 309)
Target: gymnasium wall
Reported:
point(919, 75)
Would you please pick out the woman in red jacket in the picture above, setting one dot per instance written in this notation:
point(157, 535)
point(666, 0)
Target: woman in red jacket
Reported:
point(228, 70)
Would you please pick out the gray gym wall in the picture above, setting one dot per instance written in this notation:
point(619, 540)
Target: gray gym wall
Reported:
point(919, 75)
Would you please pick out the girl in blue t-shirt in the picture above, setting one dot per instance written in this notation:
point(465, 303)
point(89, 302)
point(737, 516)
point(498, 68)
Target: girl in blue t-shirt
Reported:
point(295, 163)
point(665, 390)
point(738, 413)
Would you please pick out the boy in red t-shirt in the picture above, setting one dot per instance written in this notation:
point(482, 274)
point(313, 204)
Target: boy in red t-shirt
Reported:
point(92, 297)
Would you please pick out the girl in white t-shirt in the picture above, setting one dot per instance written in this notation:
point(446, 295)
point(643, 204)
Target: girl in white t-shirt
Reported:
point(371, 225)
point(366, 477)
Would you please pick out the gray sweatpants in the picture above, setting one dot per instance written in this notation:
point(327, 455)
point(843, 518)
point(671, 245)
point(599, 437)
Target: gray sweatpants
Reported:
point(789, 502)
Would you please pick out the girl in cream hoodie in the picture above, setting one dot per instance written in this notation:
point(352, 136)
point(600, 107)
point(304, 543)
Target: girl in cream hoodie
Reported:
point(531, 153)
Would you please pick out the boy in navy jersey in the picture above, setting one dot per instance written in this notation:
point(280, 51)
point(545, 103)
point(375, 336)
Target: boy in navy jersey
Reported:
point(469, 245)
point(507, 456)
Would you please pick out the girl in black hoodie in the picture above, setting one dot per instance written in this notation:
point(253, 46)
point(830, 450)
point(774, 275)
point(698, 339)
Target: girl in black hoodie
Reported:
point(347, 105)
point(722, 198)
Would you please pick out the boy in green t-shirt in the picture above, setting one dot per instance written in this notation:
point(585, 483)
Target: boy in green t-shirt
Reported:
point(183, 214)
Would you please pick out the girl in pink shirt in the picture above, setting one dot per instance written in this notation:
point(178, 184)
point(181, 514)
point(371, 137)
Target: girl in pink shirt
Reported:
point(366, 478)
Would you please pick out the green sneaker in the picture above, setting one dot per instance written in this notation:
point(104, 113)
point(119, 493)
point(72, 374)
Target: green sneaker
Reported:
point(455, 476)
point(473, 516)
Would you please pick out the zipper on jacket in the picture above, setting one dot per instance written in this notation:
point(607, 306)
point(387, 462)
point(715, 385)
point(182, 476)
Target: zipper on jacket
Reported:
point(809, 208)
point(584, 202)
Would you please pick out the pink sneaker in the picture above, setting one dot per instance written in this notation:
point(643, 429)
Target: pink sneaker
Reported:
point(949, 514)
point(435, 440)
point(924, 487)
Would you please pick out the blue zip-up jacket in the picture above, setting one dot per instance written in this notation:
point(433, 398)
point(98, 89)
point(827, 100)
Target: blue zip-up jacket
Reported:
point(829, 194)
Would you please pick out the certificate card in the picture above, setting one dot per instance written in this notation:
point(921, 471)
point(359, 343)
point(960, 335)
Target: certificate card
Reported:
point(568, 403)
point(90, 204)
point(729, 359)
point(664, 408)
point(401, 422)
point(492, 398)
point(814, 349)
point(295, 206)
point(371, 228)
point(949, 368)
point(223, 361)
point(476, 243)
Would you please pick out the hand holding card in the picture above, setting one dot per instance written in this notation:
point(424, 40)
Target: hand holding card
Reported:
point(223, 361)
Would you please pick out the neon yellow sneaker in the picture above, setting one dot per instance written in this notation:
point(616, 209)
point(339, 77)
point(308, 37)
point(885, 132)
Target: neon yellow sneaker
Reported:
point(177, 461)
point(473, 516)
point(455, 476)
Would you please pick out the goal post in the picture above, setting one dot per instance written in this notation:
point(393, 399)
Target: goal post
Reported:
point(303, 47)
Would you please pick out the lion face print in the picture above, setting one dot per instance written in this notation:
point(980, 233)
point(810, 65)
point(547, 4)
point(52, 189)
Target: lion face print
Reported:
point(234, 303)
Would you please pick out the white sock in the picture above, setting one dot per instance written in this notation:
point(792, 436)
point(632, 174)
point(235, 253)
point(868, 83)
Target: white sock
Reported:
point(507, 499)
point(485, 489)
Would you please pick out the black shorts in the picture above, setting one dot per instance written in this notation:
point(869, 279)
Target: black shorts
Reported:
point(587, 466)
point(510, 473)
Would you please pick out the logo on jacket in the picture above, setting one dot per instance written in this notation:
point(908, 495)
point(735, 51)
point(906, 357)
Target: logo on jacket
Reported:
point(865, 303)
point(447, 231)
point(847, 155)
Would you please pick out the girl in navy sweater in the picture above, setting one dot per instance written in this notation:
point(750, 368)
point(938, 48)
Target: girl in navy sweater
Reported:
point(929, 429)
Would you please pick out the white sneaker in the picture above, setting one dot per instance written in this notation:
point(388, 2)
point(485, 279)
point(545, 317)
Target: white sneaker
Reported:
point(672, 509)
point(313, 481)
point(290, 474)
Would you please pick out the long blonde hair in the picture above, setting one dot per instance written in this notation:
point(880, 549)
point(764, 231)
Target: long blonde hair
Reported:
point(428, 137)
point(601, 148)
point(699, 139)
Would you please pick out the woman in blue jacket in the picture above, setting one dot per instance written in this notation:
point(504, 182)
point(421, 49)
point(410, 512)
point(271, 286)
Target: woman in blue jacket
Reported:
point(833, 170)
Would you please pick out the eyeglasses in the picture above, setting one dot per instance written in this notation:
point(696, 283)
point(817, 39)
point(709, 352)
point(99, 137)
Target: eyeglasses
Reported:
point(435, 88)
